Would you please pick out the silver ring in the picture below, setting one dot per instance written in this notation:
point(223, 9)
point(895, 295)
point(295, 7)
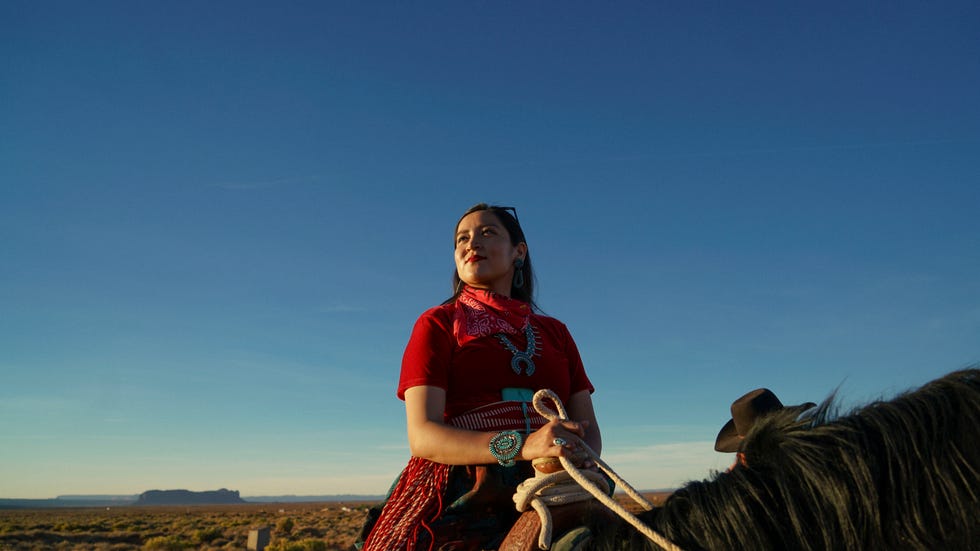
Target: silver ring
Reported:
point(559, 442)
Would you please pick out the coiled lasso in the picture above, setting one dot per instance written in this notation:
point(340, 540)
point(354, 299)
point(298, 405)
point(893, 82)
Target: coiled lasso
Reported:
point(558, 488)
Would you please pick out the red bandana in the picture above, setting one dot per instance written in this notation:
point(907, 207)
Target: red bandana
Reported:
point(480, 313)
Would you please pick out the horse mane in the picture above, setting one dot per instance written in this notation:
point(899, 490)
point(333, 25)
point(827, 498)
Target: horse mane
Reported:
point(896, 474)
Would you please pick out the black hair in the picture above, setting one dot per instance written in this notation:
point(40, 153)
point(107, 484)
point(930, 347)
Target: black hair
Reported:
point(516, 233)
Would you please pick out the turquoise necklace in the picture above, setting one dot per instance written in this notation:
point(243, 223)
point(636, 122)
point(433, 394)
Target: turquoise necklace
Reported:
point(522, 360)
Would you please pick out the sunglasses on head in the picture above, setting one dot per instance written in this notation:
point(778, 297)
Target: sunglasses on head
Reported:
point(512, 211)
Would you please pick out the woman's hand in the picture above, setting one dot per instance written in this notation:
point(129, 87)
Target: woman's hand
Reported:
point(542, 442)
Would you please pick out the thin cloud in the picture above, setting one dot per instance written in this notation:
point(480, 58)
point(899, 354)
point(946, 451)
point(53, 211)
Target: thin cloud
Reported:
point(32, 404)
point(237, 185)
point(342, 309)
point(666, 465)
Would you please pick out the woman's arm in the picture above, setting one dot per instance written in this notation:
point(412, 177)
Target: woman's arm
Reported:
point(580, 408)
point(430, 438)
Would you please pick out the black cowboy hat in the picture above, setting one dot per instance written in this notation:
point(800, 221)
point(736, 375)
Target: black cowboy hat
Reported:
point(745, 411)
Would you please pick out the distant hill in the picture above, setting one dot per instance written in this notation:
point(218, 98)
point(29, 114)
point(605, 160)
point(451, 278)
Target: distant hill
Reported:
point(95, 500)
point(313, 499)
point(184, 497)
point(173, 497)
point(187, 497)
point(69, 501)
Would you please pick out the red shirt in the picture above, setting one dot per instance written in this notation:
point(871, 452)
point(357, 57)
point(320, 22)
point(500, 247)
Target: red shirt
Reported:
point(475, 373)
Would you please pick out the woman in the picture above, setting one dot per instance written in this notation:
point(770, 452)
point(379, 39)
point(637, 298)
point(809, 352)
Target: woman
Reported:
point(468, 374)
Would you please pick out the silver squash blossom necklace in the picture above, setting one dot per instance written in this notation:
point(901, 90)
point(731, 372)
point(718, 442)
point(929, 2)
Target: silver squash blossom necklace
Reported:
point(522, 359)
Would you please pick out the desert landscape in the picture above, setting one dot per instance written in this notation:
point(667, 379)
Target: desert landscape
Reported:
point(320, 526)
point(293, 527)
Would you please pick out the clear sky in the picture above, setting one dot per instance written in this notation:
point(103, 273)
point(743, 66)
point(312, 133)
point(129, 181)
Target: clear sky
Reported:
point(219, 220)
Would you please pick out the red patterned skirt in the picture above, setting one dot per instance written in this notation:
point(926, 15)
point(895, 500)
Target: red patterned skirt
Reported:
point(454, 507)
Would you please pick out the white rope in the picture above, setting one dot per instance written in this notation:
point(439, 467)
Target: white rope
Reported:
point(545, 488)
point(551, 490)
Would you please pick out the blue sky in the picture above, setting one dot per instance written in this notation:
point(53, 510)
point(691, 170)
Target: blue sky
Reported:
point(218, 221)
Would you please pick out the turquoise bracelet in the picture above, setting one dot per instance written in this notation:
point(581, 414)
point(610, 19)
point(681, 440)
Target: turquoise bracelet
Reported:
point(505, 446)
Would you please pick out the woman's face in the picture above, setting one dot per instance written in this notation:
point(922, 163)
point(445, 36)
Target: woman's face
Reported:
point(484, 256)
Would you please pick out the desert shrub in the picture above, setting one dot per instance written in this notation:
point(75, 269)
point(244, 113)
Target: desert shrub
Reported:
point(308, 532)
point(208, 535)
point(302, 545)
point(164, 543)
point(285, 525)
point(106, 547)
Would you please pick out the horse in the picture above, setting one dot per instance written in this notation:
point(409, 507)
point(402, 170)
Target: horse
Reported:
point(897, 474)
